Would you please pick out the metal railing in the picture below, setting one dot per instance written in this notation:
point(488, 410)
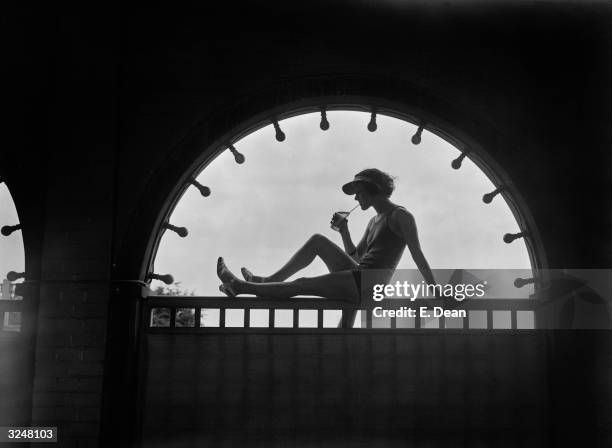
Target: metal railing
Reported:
point(164, 314)
point(11, 307)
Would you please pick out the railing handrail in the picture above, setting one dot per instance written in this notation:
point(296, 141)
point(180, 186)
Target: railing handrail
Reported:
point(316, 303)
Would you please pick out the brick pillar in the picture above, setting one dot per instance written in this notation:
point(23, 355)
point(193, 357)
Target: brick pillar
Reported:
point(73, 306)
point(78, 232)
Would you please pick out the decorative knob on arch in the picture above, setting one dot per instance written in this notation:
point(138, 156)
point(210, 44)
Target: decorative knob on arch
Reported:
point(280, 135)
point(456, 164)
point(204, 191)
point(509, 237)
point(324, 123)
point(372, 126)
point(13, 276)
point(416, 138)
point(238, 157)
point(166, 278)
point(7, 230)
point(520, 282)
point(487, 198)
point(180, 231)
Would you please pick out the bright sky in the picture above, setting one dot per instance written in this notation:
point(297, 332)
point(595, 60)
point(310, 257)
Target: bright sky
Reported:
point(260, 212)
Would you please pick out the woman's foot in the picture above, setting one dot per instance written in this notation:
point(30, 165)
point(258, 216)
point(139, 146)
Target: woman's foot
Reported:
point(250, 277)
point(227, 290)
point(230, 281)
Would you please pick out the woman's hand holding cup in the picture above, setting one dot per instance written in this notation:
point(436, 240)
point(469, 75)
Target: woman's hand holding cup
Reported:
point(339, 222)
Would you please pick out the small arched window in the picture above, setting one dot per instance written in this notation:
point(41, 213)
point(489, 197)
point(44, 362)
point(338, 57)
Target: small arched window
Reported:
point(12, 259)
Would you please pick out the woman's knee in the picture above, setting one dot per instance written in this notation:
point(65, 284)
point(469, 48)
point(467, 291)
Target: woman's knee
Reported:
point(319, 240)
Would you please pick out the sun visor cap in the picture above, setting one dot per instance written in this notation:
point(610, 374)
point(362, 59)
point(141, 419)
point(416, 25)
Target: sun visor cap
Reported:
point(351, 187)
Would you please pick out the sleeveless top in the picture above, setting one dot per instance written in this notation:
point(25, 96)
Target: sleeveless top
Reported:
point(383, 247)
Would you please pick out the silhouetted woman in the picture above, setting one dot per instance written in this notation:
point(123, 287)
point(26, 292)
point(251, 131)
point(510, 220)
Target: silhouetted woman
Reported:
point(380, 249)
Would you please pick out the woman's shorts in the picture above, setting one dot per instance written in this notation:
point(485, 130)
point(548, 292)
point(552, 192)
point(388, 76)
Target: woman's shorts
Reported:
point(357, 276)
point(365, 279)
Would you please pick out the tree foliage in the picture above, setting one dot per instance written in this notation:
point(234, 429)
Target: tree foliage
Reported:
point(174, 289)
point(160, 317)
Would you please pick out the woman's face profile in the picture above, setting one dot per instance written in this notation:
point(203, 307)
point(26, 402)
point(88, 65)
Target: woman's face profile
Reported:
point(363, 197)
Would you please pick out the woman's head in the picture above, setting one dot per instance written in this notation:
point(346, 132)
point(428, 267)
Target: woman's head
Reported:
point(373, 181)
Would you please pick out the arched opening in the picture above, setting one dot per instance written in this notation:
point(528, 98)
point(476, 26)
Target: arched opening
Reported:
point(463, 201)
point(259, 342)
point(12, 261)
point(15, 332)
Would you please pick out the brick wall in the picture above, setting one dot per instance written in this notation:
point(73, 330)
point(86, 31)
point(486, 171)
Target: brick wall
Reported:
point(69, 360)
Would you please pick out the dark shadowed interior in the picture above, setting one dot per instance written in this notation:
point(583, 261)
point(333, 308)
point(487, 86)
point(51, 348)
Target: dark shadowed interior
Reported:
point(108, 111)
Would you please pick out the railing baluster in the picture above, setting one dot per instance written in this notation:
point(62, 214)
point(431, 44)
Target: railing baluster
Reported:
point(296, 318)
point(221, 317)
point(513, 318)
point(173, 317)
point(489, 319)
point(368, 318)
point(344, 318)
point(320, 318)
point(272, 317)
point(247, 318)
point(197, 317)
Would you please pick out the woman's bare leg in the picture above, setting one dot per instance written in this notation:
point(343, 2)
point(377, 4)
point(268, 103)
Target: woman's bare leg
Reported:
point(332, 255)
point(335, 285)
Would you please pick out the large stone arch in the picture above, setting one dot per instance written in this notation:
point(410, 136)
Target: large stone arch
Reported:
point(494, 152)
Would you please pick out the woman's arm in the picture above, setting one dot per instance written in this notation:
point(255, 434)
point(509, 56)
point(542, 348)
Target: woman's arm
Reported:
point(402, 223)
point(354, 252)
